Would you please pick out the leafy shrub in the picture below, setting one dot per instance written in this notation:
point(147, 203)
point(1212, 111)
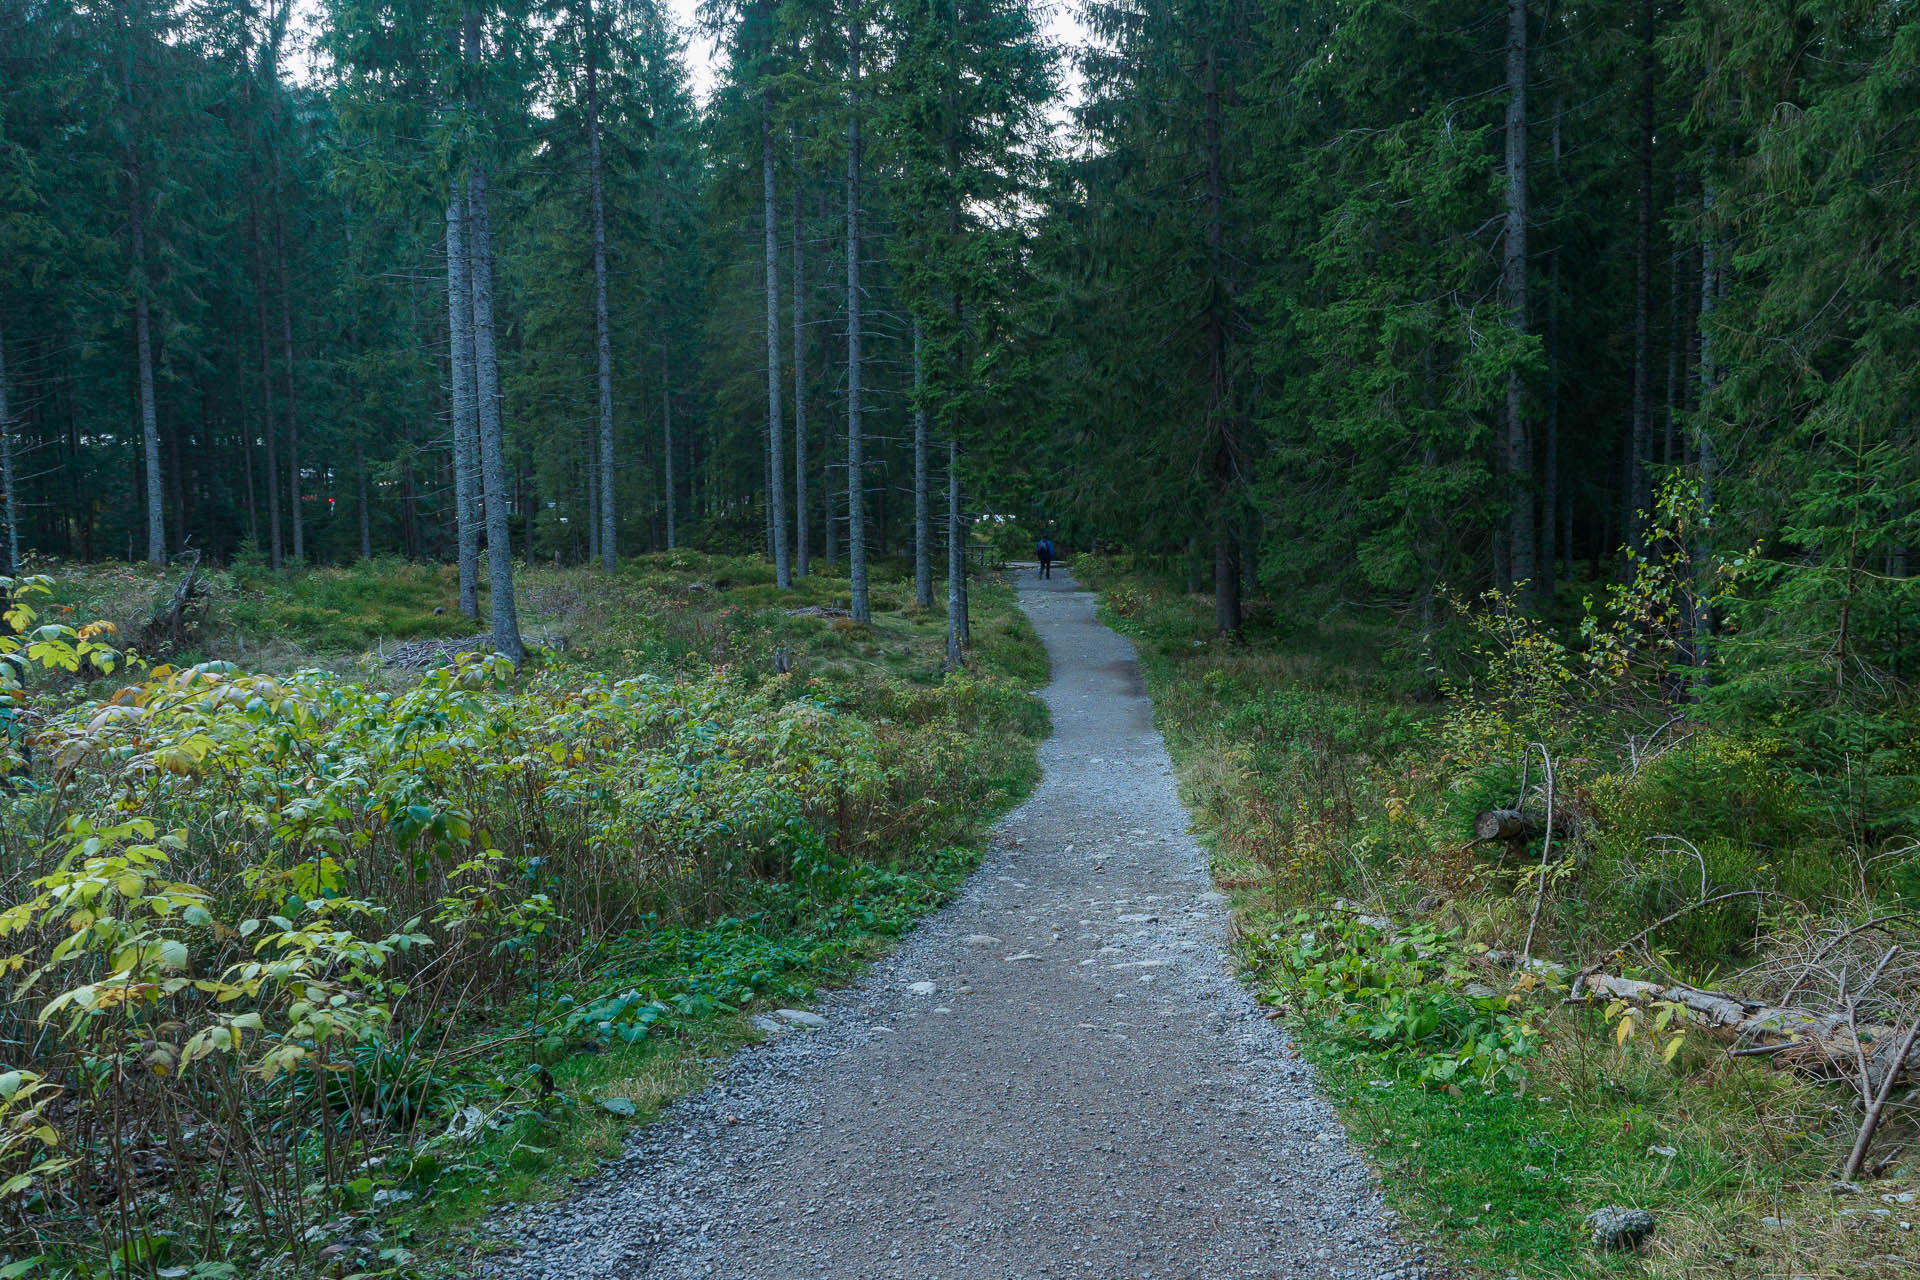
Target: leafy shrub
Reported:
point(285, 909)
point(1412, 996)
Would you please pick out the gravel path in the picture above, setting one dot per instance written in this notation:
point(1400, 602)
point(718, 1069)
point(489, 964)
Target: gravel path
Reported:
point(1055, 1076)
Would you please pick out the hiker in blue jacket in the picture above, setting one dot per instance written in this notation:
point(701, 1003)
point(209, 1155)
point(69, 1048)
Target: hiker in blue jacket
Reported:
point(1046, 557)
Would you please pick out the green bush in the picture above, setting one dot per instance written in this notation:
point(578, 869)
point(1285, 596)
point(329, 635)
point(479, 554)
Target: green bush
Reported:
point(1412, 996)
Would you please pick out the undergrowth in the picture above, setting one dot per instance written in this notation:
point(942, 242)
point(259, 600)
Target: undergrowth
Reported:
point(312, 965)
point(1337, 763)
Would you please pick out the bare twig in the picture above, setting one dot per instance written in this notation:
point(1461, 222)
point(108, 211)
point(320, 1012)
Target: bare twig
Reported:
point(1546, 849)
point(1668, 919)
point(1877, 1105)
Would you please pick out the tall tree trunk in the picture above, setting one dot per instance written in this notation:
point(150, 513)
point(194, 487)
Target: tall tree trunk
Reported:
point(602, 330)
point(856, 441)
point(10, 531)
point(466, 410)
point(269, 424)
point(1550, 465)
point(776, 449)
point(1679, 332)
point(590, 477)
point(959, 626)
point(493, 461)
point(1226, 568)
point(1640, 447)
point(1226, 581)
point(922, 507)
point(362, 499)
point(142, 318)
point(799, 378)
point(666, 447)
point(294, 512)
point(1513, 280)
point(245, 433)
point(1708, 460)
point(174, 473)
point(295, 509)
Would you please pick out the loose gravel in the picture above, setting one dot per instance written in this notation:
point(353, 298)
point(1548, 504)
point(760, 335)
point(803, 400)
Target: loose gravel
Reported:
point(1055, 1076)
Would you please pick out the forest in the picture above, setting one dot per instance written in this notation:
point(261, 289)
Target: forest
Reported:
point(506, 513)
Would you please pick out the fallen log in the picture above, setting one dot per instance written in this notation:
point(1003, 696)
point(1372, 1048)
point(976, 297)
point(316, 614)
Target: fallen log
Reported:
point(1520, 824)
point(1816, 1043)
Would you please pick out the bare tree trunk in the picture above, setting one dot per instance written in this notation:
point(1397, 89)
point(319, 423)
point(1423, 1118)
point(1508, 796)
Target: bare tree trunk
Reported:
point(830, 538)
point(922, 507)
point(493, 462)
point(590, 477)
point(245, 431)
point(1226, 580)
point(366, 515)
point(1550, 465)
point(466, 429)
point(603, 336)
point(856, 442)
point(959, 627)
point(1640, 447)
point(666, 447)
point(1226, 569)
point(776, 449)
point(1670, 445)
point(1709, 461)
point(142, 319)
point(799, 378)
point(10, 533)
point(294, 510)
point(1513, 281)
point(276, 539)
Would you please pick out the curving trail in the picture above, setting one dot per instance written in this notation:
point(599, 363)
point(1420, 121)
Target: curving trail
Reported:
point(1055, 1076)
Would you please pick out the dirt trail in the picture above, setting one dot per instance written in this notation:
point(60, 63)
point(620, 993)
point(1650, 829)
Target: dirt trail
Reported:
point(1055, 1076)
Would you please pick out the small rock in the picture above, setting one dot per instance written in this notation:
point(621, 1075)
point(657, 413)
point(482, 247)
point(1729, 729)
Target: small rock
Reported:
point(1022, 955)
point(1839, 1188)
point(982, 940)
point(1665, 1153)
point(1616, 1227)
point(800, 1018)
point(922, 988)
point(771, 1026)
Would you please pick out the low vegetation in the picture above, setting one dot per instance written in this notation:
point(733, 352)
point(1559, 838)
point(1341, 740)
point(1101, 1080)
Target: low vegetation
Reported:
point(1707, 830)
point(313, 961)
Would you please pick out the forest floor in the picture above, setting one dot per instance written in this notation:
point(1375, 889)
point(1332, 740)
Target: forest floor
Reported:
point(1057, 1075)
point(1324, 775)
point(931, 759)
